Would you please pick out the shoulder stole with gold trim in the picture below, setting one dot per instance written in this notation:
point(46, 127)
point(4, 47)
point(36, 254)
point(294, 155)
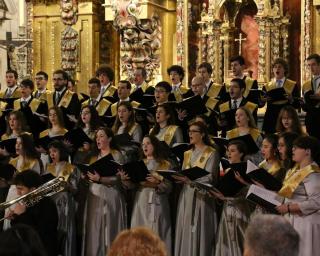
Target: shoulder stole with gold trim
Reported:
point(294, 177)
point(103, 106)
point(251, 106)
point(85, 103)
point(169, 133)
point(66, 99)
point(114, 108)
point(200, 162)
point(249, 82)
point(214, 90)
point(132, 129)
point(110, 91)
point(224, 107)
point(211, 103)
point(307, 86)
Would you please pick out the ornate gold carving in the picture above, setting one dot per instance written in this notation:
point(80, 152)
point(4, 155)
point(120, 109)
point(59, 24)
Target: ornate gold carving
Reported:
point(69, 50)
point(140, 39)
point(69, 11)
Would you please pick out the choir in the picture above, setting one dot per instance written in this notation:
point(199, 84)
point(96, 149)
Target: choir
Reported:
point(173, 157)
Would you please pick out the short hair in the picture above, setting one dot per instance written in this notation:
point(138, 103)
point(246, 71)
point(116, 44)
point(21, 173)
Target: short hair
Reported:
point(271, 235)
point(63, 150)
point(137, 241)
point(165, 85)
point(21, 239)
point(64, 74)
point(177, 69)
point(239, 59)
point(106, 70)
point(311, 143)
point(27, 83)
point(315, 57)
point(94, 80)
point(241, 147)
point(28, 178)
point(11, 71)
point(143, 71)
point(44, 74)
point(207, 66)
point(240, 82)
point(283, 63)
point(128, 84)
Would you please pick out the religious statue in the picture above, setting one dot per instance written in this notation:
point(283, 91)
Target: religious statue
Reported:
point(69, 11)
point(69, 50)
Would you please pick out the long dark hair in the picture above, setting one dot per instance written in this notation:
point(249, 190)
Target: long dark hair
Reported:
point(20, 118)
point(171, 120)
point(160, 153)
point(95, 121)
point(289, 138)
point(28, 146)
point(131, 120)
point(273, 140)
point(292, 113)
point(59, 116)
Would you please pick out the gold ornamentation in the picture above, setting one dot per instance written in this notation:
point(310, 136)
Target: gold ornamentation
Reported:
point(69, 11)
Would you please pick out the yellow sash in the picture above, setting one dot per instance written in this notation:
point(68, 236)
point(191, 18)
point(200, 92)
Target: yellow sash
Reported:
point(46, 133)
point(234, 133)
point(249, 82)
point(67, 170)
point(294, 177)
point(200, 162)
point(164, 165)
point(307, 86)
point(66, 99)
point(288, 86)
point(28, 164)
point(214, 90)
point(168, 134)
point(132, 129)
point(110, 91)
point(273, 170)
point(224, 107)
point(103, 106)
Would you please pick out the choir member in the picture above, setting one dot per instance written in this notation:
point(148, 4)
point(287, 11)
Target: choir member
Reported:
point(60, 167)
point(288, 121)
point(227, 110)
point(285, 144)
point(301, 190)
point(125, 122)
point(151, 205)
point(311, 94)
point(271, 162)
point(105, 211)
point(140, 86)
point(237, 66)
point(246, 125)
point(106, 75)
point(280, 80)
point(42, 93)
point(236, 210)
point(68, 101)
point(27, 159)
point(196, 218)
point(179, 91)
point(165, 128)
point(212, 89)
point(16, 125)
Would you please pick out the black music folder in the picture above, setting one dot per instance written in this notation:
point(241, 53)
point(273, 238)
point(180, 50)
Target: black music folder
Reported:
point(105, 167)
point(137, 171)
point(194, 173)
point(247, 139)
point(77, 137)
point(167, 174)
point(263, 176)
point(277, 94)
point(265, 198)
point(193, 105)
point(9, 145)
point(46, 140)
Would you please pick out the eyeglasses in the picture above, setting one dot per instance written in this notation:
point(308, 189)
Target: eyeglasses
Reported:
point(57, 79)
point(193, 131)
point(39, 78)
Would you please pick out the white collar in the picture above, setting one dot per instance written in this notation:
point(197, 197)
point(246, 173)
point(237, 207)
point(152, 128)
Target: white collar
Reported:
point(25, 100)
point(125, 100)
point(42, 91)
point(62, 91)
point(12, 89)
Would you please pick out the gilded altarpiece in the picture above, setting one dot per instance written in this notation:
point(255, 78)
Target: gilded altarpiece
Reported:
point(87, 42)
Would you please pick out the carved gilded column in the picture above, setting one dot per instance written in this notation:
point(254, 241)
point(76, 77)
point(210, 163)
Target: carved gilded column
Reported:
point(305, 38)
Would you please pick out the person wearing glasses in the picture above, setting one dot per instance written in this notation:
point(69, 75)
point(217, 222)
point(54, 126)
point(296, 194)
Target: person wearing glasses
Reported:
point(42, 93)
point(197, 223)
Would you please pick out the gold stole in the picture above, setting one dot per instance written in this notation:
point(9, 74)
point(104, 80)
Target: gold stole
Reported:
point(168, 134)
point(214, 90)
point(164, 165)
point(200, 162)
point(294, 177)
point(249, 82)
point(28, 164)
point(46, 133)
point(273, 170)
point(234, 133)
point(95, 158)
point(288, 86)
point(34, 104)
point(132, 129)
point(307, 86)
point(114, 108)
point(66, 99)
point(67, 170)
point(110, 91)
point(103, 106)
